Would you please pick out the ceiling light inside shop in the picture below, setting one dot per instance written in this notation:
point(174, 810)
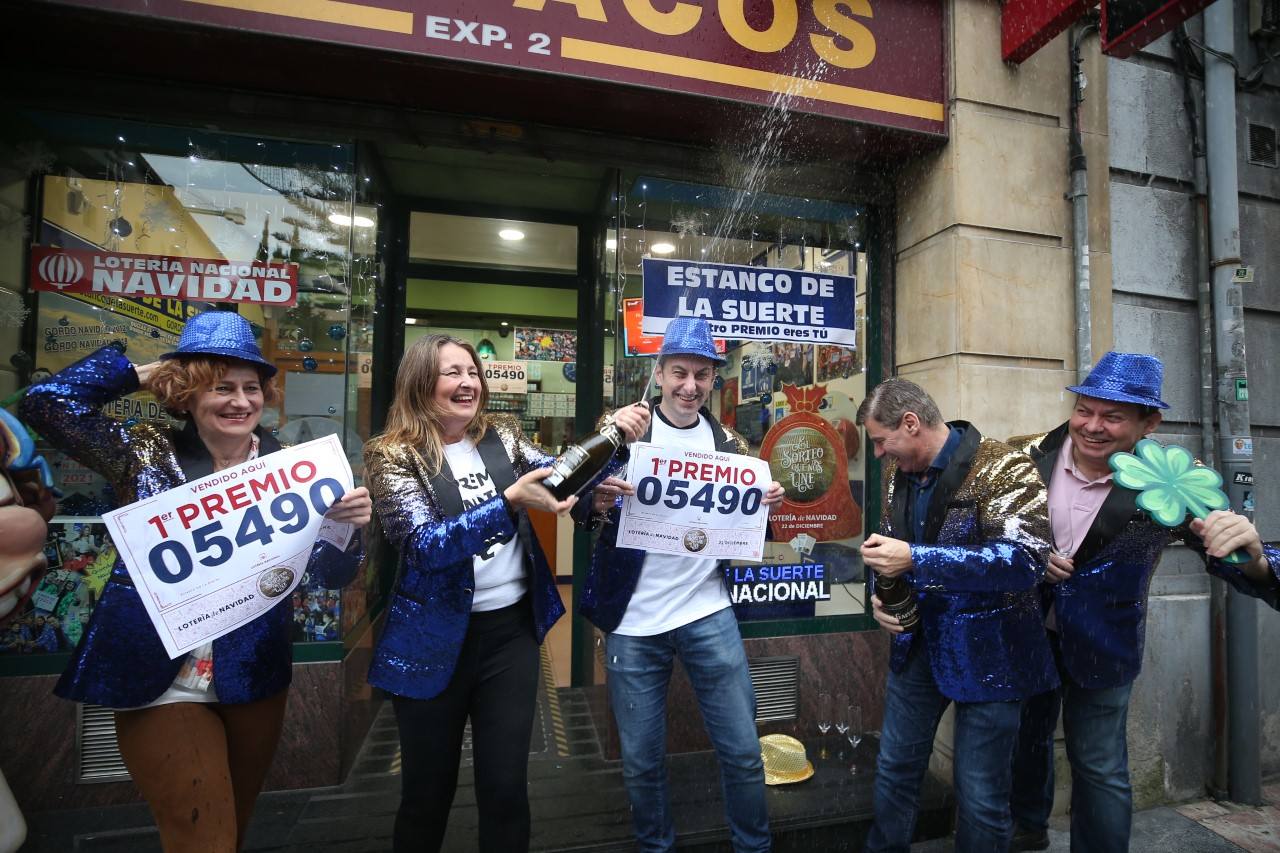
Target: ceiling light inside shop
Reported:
point(662, 248)
point(346, 221)
point(511, 234)
point(611, 244)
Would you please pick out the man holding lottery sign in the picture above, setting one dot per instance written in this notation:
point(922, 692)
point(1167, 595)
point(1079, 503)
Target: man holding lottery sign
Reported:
point(654, 606)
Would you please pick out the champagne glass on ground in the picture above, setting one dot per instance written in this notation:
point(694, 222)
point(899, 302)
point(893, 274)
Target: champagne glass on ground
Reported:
point(824, 722)
point(842, 719)
point(853, 713)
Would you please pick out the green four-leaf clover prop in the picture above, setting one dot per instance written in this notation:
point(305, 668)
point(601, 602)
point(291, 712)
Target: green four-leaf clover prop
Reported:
point(1170, 484)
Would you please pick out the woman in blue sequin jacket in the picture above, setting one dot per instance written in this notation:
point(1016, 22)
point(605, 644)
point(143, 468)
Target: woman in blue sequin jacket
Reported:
point(197, 733)
point(474, 596)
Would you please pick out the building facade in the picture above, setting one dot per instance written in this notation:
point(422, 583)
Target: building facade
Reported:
point(376, 149)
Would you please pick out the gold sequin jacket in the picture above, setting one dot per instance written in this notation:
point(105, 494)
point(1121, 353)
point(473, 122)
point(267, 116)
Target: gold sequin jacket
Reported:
point(423, 518)
point(120, 661)
point(1101, 610)
point(986, 544)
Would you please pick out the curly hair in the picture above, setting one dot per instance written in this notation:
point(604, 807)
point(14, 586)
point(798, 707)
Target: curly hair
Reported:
point(177, 381)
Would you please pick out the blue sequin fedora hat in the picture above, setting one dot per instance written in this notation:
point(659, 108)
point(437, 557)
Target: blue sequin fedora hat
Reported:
point(689, 336)
point(221, 333)
point(1125, 377)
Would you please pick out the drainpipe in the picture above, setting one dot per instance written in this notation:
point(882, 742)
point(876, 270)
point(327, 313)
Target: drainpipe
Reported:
point(1079, 195)
point(1208, 442)
point(1235, 444)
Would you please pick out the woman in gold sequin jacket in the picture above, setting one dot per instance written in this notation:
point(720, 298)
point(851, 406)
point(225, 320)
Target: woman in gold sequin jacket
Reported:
point(197, 732)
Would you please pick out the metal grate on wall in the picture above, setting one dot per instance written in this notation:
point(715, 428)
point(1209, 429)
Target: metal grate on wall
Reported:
point(98, 756)
point(777, 684)
point(1262, 145)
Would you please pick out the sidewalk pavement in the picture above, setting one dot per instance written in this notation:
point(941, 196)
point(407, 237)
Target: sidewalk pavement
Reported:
point(1198, 827)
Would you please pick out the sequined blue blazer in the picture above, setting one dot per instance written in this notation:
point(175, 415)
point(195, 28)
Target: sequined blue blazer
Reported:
point(120, 661)
point(1101, 610)
point(423, 518)
point(614, 572)
point(985, 547)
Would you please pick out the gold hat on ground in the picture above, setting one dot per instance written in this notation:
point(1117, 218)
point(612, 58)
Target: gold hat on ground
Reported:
point(784, 760)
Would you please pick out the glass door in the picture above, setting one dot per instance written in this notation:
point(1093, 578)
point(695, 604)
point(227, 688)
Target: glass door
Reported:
point(793, 402)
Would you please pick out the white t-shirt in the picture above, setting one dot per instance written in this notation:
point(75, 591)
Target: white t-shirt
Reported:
point(500, 574)
point(674, 591)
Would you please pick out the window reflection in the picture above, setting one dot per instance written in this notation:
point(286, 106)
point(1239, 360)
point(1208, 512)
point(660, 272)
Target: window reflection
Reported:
point(171, 195)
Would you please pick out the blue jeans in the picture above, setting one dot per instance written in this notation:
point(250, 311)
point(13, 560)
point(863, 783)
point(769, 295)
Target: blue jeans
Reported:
point(1094, 724)
point(984, 739)
point(639, 671)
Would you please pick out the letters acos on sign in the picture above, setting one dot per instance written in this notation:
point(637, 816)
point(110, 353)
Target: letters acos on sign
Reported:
point(850, 43)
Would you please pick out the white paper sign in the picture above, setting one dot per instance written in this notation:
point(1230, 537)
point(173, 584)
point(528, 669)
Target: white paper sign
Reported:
point(506, 377)
point(216, 553)
point(364, 369)
point(695, 503)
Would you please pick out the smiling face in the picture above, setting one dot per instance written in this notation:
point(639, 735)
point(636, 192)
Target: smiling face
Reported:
point(232, 408)
point(1099, 428)
point(907, 444)
point(457, 391)
point(685, 382)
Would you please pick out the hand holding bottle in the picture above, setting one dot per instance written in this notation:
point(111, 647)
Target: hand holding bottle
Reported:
point(888, 556)
point(529, 493)
point(885, 620)
point(575, 468)
point(633, 420)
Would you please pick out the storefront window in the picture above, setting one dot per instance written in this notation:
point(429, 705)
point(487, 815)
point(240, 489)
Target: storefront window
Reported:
point(152, 207)
point(793, 402)
point(507, 286)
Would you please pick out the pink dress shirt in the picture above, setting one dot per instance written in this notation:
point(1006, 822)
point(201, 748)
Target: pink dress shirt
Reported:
point(1074, 501)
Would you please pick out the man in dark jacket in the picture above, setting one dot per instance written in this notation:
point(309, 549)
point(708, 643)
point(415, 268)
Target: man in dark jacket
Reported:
point(1094, 597)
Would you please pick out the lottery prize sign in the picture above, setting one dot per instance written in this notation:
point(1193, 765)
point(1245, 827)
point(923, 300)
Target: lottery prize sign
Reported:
point(695, 503)
point(506, 377)
point(216, 553)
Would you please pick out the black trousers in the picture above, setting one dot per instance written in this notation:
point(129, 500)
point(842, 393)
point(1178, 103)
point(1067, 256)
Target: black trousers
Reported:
point(494, 684)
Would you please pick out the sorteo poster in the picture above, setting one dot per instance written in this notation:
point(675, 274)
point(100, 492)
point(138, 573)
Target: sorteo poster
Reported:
point(545, 345)
point(806, 455)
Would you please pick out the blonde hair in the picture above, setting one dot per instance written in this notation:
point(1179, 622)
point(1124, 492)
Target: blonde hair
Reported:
point(177, 381)
point(414, 418)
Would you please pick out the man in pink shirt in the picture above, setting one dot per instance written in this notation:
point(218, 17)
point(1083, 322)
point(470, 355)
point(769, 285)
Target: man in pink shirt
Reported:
point(1095, 595)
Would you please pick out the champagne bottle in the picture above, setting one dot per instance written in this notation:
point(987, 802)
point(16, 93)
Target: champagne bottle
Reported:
point(898, 599)
point(581, 461)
